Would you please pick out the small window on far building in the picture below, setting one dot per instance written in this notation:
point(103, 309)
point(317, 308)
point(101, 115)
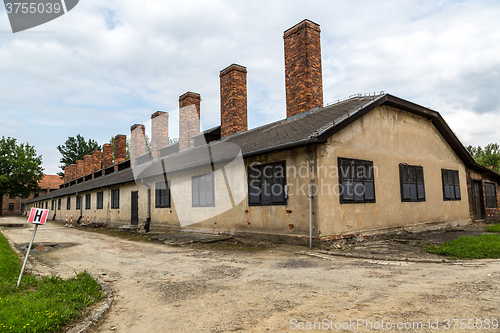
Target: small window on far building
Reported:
point(412, 183)
point(451, 185)
point(68, 203)
point(87, 201)
point(203, 190)
point(59, 204)
point(46, 204)
point(356, 181)
point(98, 203)
point(11, 207)
point(78, 202)
point(162, 194)
point(491, 195)
point(115, 199)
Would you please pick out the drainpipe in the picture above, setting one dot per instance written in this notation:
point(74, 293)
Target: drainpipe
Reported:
point(147, 226)
point(310, 196)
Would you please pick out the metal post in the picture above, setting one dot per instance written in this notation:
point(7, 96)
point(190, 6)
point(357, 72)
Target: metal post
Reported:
point(27, 254)
point(310, 217)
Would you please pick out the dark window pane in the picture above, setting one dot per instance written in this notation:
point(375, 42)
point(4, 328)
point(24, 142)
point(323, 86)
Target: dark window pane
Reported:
point(359, 191)
point(347, 190)
point(421, 191)
point(406, 192)
point(369, 191)
point(457, 192)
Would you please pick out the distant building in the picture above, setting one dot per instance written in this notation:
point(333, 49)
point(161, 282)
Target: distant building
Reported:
point(14, 205)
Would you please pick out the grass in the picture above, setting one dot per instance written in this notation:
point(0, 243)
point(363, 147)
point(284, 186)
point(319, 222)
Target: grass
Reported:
point(475, 247)
point(40, 305)
point(494, 228)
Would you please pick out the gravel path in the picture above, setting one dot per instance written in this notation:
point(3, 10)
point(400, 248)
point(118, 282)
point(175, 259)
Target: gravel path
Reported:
point(159, 288)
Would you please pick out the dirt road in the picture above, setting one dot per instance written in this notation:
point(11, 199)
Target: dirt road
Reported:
point(159, 288)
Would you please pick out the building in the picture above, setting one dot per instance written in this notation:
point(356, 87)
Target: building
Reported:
point(14, 205)
point(365, 164)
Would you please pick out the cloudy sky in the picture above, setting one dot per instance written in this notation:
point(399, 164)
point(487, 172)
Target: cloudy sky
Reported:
point(106, 65)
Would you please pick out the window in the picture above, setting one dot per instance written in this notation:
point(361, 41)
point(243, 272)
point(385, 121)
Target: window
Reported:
point(52, 205)
point(356, 181)
point(46, 204)
point(267, 184)
point(162, 194)
point(491, 195)
point(115, 199)
point(412, 183)
point(68, 203)
point(87, 201)
point(78, 202)
point(98, 203)
point(203, 190)
point(451, 185)
point(59, 204)
point(11, 206)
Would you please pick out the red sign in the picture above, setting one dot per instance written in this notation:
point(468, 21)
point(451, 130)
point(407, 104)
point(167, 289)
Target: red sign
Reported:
point(38, 216)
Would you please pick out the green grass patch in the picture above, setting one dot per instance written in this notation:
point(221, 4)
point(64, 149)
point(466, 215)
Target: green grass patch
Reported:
point(40, 305)
point(494, 228)
point(475, 247)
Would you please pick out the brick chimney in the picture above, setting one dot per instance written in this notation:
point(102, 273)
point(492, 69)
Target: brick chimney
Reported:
point(159, 132)
point(87, 160)
point(107, 155)
point(96, 163)
point(137, 141)
point(233, 100)
point(303, 78)
point(80, 169)
point(189, 119)
point(120, 149)
point(72, 172)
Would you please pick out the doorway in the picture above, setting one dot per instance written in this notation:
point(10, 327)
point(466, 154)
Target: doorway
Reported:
point(134, 208)
point(477, 199)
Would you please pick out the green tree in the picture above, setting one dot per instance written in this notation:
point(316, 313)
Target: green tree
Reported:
point(488, 157)
point(75, 149)
point(20, 169)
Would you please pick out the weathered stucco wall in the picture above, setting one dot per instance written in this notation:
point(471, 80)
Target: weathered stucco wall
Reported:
point(389, 137)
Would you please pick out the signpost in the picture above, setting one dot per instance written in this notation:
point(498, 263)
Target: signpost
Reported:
point(37, 216)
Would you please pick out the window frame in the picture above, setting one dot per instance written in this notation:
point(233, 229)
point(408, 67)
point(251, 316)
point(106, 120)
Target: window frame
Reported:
point(356, 163)
point(269, 181)
point(11, 207)
point(88, 201)
point(115, 199)
point(416, 169)
point(78, 204)
point(99, 200)
point(159, 195)
point(59, 204)
point(456, 183)
point(68, 203)
point(196, 180)
point(488, 196)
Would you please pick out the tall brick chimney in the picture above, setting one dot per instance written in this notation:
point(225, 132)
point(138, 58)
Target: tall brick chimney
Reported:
point(233, 100)
point(189, 118)
point(87, 161)
point(80, 167)
point(303, 78)
point(159, 132)
point(96, 162)
point(137, 141)
point(120, 149)
point(72, 172)
point(107, 155)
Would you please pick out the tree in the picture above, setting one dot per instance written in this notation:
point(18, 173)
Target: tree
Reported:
point(488, 157)
point(20, 169)
point(75, 149)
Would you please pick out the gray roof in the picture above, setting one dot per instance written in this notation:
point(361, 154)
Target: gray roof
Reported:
point(314, 126)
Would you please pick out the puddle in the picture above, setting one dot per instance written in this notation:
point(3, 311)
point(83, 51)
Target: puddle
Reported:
point(44, 247)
